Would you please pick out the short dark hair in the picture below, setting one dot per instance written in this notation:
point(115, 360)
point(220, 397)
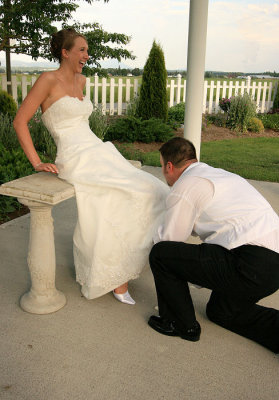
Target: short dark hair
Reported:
point(64, 39)
point(178, 150)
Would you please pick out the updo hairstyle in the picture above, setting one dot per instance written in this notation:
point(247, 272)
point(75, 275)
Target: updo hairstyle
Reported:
point(63, 39)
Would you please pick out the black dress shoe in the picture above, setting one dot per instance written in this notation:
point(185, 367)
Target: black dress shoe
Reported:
point(168, 328)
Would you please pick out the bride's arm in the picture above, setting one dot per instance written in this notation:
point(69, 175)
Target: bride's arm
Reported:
point(38, 93)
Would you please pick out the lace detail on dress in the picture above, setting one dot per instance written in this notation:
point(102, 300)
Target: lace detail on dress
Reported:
point(124, 258)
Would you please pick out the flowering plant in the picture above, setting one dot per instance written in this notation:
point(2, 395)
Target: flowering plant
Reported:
point(242, 109)
point(225, 104)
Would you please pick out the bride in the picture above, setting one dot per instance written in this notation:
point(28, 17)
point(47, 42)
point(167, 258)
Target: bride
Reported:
point(119, 206)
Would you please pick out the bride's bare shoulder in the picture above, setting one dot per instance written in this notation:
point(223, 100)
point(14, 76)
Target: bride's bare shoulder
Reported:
point(44, 83)
point(48, 76)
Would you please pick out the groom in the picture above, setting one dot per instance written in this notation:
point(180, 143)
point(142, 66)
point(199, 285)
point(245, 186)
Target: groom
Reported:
point(238, 258)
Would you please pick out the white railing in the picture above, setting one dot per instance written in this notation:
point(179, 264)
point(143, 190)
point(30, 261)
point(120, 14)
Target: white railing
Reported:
point(113, 95)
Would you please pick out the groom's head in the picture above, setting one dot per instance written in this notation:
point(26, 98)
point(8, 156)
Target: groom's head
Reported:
point(176, 155)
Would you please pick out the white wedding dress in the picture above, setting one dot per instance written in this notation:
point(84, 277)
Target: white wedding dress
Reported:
point(119, 206)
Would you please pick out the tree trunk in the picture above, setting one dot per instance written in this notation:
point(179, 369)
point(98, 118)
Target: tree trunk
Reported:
point(8, 67)
point(7, 5)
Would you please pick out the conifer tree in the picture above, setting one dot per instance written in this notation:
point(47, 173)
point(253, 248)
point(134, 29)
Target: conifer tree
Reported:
point(153, 90)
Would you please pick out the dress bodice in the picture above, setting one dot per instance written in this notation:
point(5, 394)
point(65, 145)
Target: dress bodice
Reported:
point(68, 116)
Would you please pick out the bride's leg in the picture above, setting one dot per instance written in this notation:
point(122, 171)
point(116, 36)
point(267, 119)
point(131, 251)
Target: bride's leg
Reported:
point(121, 294)
point(121, 289)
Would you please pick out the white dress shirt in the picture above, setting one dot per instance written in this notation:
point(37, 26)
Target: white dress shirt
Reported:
point(182, 208)
point(187, 199)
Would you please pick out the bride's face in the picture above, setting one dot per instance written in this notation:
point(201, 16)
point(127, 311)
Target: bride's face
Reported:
point(77, 56)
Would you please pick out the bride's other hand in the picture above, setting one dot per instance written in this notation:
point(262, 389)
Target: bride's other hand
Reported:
point(47, 167)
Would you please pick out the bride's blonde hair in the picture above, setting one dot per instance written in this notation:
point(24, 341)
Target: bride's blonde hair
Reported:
point(63, 39)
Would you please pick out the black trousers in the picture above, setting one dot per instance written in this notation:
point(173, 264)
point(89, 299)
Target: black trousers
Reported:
point(239, 278)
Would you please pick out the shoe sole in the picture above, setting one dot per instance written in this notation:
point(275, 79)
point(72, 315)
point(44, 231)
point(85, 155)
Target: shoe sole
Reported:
point(190, 339)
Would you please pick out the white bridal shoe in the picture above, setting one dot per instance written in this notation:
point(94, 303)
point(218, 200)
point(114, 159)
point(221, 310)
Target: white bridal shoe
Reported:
point(124, 297)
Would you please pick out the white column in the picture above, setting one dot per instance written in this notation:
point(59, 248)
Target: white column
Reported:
point(195, 71)
point(43, 297)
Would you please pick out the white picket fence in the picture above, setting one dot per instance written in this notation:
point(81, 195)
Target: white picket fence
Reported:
point(262, 92)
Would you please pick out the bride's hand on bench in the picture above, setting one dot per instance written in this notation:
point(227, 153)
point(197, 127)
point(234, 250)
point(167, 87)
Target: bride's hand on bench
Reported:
point(47, 167)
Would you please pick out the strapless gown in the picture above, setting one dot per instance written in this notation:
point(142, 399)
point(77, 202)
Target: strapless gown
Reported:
point(119, 206)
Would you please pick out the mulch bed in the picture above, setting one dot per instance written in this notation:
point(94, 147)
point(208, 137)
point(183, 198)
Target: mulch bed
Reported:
point(15, 214)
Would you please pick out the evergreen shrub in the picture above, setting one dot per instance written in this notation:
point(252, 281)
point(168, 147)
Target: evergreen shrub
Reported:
point(123, 130)
point(131, 129)
point(13, 164)
point(153, 90)
point(270, 121)
point(8, 137)
point(255, 125)
point(177, 113)
point(7, 104)
point(154, 130)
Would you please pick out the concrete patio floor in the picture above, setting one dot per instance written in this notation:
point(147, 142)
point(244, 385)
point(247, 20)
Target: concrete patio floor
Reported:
point(104, 350)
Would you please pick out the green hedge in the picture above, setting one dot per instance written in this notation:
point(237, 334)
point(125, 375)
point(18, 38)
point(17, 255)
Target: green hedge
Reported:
point(177, 113)
point(8, 105)
point(13, 162)
point(270, 121)
point(13, 165)
point(132, 129)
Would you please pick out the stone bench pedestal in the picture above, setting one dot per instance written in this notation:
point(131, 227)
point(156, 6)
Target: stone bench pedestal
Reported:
point(40, 192)
point(43, 297)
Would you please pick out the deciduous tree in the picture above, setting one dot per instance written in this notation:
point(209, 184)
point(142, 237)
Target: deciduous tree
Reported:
point(26, 25)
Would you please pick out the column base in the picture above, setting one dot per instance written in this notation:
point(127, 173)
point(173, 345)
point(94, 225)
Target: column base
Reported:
point(43, 304)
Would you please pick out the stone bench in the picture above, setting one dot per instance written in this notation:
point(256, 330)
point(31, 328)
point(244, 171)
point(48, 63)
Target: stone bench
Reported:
point(40, 192)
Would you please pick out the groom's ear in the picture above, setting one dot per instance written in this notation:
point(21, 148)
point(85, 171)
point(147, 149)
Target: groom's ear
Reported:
point(169, 166)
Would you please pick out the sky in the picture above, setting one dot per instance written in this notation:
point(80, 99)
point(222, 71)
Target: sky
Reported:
point(242, 35)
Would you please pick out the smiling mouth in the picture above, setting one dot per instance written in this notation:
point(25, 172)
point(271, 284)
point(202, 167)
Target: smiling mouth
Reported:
point(82, 63)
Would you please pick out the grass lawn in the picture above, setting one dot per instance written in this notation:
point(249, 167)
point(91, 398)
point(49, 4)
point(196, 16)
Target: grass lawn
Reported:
point(252, 158)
